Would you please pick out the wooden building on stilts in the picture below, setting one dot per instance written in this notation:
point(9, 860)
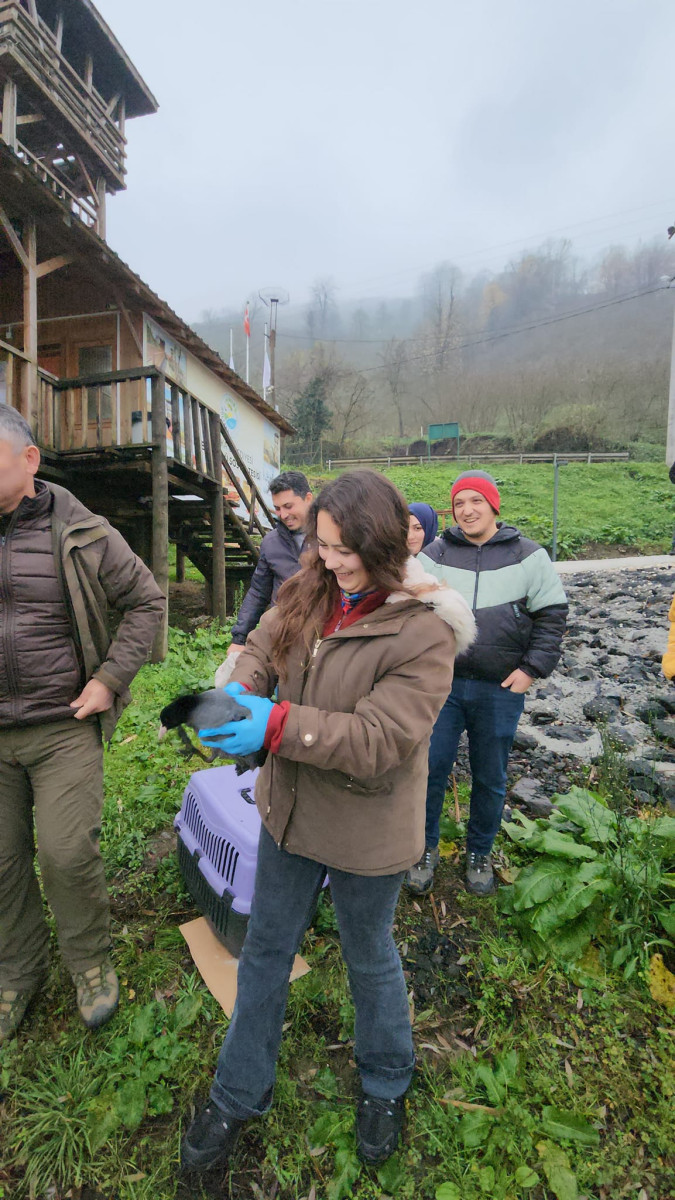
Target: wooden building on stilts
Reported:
point(132, 411)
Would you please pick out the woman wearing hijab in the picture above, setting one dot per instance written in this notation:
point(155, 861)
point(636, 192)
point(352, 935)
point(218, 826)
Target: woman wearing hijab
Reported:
point(423, 527)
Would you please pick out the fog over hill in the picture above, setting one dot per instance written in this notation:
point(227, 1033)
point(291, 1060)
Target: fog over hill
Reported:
point(551, 340)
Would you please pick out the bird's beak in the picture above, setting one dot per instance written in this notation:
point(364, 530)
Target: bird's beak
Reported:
point(162, 732)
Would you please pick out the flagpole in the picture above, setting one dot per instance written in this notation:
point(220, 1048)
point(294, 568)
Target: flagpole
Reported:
point(231, 353)
point(264, 363)
point(248, 345)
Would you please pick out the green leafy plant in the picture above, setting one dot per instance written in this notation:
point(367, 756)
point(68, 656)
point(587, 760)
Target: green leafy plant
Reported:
point(334, 1129)
point(598, 875)
point(141, 1065)
point(504, 1134)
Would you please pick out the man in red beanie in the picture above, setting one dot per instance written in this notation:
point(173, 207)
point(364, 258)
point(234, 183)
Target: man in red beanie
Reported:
point(520, 609)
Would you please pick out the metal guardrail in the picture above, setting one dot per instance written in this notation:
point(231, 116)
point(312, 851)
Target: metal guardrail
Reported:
point(424, 460)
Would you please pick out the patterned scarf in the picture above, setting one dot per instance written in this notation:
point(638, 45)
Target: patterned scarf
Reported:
point(348, 602)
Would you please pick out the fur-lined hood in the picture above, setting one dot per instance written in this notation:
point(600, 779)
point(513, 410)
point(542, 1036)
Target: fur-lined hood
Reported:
point(446, 602)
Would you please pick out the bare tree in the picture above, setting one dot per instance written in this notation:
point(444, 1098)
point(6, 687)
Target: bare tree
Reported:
point(394, 359)
point(322, 309)
point(439, 292)
point(350, 403)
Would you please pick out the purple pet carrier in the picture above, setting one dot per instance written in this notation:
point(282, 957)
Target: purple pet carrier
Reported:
point(218, 829)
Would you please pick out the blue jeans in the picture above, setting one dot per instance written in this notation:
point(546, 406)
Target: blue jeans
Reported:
point(286, 890)
point(490, 715)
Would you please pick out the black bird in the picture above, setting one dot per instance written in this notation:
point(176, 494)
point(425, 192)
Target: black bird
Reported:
point(208, 710)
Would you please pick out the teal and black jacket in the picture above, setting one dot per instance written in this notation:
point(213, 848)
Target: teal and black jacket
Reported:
point(516, 597)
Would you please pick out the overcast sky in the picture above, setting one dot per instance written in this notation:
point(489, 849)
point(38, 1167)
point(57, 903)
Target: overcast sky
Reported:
point(368, 140)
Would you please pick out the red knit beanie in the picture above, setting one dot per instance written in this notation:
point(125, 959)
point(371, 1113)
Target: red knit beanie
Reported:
point(478, 481)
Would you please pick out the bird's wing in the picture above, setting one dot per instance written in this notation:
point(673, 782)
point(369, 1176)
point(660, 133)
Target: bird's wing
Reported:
point(214, 708)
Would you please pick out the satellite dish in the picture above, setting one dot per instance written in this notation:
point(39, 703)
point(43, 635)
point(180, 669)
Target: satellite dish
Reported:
point(273, 295)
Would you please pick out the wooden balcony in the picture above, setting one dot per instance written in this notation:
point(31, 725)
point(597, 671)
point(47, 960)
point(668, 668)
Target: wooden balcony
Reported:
point(86, 208)
point(29, 54)
point(108, 418)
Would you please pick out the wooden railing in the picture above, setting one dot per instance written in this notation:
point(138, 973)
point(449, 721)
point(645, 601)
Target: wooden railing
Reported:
point(113, 410)
point(34, 48)
point(83, 208)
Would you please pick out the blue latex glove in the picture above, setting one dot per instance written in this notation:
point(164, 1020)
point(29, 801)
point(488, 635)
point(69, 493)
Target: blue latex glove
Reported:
point(241, 737)
point(234, 689)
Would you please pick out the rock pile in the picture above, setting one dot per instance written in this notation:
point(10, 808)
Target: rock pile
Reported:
point(609, 679)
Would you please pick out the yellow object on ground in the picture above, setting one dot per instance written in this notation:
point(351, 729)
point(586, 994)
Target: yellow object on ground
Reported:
point(668, 660)
point(661, 982)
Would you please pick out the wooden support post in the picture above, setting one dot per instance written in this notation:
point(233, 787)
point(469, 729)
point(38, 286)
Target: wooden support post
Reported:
point(100, 208)
point(9, 113)
point(160, 512)
point(175, 424)
point(180, 564)
point(208, 596)
point(217, 521)
point(29, 373)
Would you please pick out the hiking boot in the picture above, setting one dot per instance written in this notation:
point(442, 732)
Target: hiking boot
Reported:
point(378, 1127)
point(420, 878)
point(98, 993)
point(13, 1005)
point(210, 1140)
point(479, 875)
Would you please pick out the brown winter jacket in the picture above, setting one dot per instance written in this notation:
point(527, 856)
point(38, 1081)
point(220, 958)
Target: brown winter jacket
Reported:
point(96, 570)
point(348, 785)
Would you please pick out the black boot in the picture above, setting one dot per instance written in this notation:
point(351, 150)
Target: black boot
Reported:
point(210, 1140)
point(378, 1127)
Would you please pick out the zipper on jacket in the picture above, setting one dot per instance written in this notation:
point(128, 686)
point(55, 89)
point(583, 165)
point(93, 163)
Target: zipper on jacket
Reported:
point(475, 590)
point(8, 635)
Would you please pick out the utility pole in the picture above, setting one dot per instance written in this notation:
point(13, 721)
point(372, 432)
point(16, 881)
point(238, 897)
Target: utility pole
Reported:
point(670, 432)
point(272, 298)
point(274, 305)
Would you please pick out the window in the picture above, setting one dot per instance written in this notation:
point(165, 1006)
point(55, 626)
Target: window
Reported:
point(95, 360)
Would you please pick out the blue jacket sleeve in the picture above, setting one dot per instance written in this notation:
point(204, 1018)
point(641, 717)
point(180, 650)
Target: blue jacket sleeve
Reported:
point(257, 599)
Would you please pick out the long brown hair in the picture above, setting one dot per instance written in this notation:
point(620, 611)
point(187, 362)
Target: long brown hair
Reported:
point(373, 519)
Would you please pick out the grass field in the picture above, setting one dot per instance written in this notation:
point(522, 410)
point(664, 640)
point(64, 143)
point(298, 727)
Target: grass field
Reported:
point(601, 506)
point(532, 1082)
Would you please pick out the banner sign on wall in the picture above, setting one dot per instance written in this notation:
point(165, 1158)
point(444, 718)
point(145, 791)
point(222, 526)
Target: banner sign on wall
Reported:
point(159, 350)
point(257, 440)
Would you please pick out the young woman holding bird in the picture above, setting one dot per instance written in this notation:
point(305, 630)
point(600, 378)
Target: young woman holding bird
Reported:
point(360, 647)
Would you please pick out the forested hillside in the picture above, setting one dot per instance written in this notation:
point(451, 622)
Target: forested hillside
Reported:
point(551, 351)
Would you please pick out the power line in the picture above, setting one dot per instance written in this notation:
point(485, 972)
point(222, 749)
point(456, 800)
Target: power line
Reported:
point(513, 331)
point(495, 337)
point(307, 337)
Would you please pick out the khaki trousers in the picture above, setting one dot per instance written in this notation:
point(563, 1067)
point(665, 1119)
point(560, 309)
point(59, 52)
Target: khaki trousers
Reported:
point(51, 785)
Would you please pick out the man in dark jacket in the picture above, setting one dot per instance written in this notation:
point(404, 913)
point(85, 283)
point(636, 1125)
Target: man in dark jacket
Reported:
point(520, 609)
point(63, 682)
point(279, 553)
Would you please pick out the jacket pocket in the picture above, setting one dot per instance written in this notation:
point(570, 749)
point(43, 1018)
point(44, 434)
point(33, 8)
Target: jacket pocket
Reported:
point(363, 787)
point(522, 625)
